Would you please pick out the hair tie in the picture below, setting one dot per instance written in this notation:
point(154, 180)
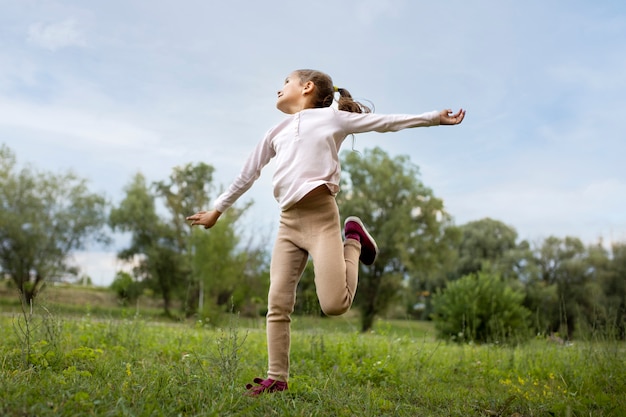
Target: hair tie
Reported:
point(336, 88)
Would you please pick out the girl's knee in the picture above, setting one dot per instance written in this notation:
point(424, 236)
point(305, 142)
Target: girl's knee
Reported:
point(336, 309)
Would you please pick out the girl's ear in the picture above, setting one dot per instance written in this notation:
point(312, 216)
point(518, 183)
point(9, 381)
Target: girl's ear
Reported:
point(307, 87)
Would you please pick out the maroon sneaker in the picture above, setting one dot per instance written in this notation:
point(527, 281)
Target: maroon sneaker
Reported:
point(369, 250)
point(265, 386)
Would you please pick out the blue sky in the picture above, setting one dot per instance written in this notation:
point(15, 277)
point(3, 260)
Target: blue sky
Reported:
point(111, 88)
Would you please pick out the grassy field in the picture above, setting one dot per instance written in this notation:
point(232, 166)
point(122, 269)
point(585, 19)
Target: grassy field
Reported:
point(125, 365)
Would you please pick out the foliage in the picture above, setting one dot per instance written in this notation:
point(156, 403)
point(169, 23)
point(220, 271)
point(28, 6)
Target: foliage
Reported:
point(223, 269)
point(151, 250)
point(484, 241)
point(44, 217)
point(480, 307)
point(206, 270)
point(126, 288)
point(612, 311)
point(573, 290)
point(406, 219)
point(134, 367)
point(566, 282)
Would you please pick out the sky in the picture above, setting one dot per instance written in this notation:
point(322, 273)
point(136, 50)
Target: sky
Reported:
point(110, 89)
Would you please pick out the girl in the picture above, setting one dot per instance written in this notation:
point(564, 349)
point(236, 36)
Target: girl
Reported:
point(305, 182)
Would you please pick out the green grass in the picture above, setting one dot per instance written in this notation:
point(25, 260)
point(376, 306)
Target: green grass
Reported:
point(134, 367)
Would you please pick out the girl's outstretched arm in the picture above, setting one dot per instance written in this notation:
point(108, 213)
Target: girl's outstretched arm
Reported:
point(446, 117)
point(205, 218)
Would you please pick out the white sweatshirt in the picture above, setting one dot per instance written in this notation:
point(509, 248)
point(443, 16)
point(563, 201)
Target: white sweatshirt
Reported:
point(306, 146)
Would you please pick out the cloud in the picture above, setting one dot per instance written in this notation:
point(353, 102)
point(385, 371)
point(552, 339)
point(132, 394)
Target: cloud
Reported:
point(75, 124)
point(53, 36)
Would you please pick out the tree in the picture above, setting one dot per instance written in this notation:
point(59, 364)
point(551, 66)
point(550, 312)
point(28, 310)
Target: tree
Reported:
point(152, 242)
point(176, 260)
point(187, 191)
point(604, 309)
point(614, 285)
point(484, 242)
point(563, 266)
point(406, 219)
point(218, 266)
point(44, 218)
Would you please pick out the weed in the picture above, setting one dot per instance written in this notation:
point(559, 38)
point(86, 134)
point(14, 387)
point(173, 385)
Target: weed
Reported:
point(39, 335)
point(229, 343)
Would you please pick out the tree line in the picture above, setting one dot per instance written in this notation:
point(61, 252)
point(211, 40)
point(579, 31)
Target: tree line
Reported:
point(475, 280)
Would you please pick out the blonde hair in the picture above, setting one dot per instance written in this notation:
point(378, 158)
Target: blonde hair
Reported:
point(324, 92)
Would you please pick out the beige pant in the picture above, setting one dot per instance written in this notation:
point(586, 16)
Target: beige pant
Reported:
point(312, 227)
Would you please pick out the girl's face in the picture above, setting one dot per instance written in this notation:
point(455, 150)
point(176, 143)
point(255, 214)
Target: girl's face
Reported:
point(294, 95)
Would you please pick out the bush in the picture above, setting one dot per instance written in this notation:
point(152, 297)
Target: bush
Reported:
point(480, 308)
point(126, 288)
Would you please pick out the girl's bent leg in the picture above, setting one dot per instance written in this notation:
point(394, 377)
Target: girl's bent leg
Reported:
point(336, 262)
point(336, 275)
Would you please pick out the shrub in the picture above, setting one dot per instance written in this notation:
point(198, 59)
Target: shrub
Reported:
point(480, 308)
point(126, 288)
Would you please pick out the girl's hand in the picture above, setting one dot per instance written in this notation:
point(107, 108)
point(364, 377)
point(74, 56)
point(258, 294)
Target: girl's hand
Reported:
point(205, 218)
point(447, 118)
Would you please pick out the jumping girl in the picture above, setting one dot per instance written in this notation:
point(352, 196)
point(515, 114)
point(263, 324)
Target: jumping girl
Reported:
point(305, 182)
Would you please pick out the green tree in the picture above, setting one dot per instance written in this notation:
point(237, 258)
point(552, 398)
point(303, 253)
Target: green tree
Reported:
point(484, 243)
point(614, 285)
point(44, 218)
point(226, 272)
point(606, 290)
point(564, 265)
point(186, 191)
point(406, 219)
point(152, 248)
point(175, 260)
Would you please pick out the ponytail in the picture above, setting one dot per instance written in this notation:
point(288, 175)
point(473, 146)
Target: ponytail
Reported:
point(347, 103)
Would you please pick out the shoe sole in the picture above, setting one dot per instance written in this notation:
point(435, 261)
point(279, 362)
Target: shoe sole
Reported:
point(367, 234)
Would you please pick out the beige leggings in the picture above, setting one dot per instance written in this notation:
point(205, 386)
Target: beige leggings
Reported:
point(312, 227)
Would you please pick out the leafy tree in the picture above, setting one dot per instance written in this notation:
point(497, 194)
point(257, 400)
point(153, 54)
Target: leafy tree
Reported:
point(220, 265)
point(425, 280)
point(614, 285)
point(176, 260)
point(564, 265)
point(406, 219)
point(186, 191)
point(250, 292)
point(213, 264)
point(44, 218)
point(606, 291)
point(150, 247)
point(480, 307)
point(484, 242)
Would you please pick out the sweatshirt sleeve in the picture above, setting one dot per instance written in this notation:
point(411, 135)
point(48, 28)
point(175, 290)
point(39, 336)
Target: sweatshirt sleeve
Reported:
point(250, 172)
point(372, 122)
